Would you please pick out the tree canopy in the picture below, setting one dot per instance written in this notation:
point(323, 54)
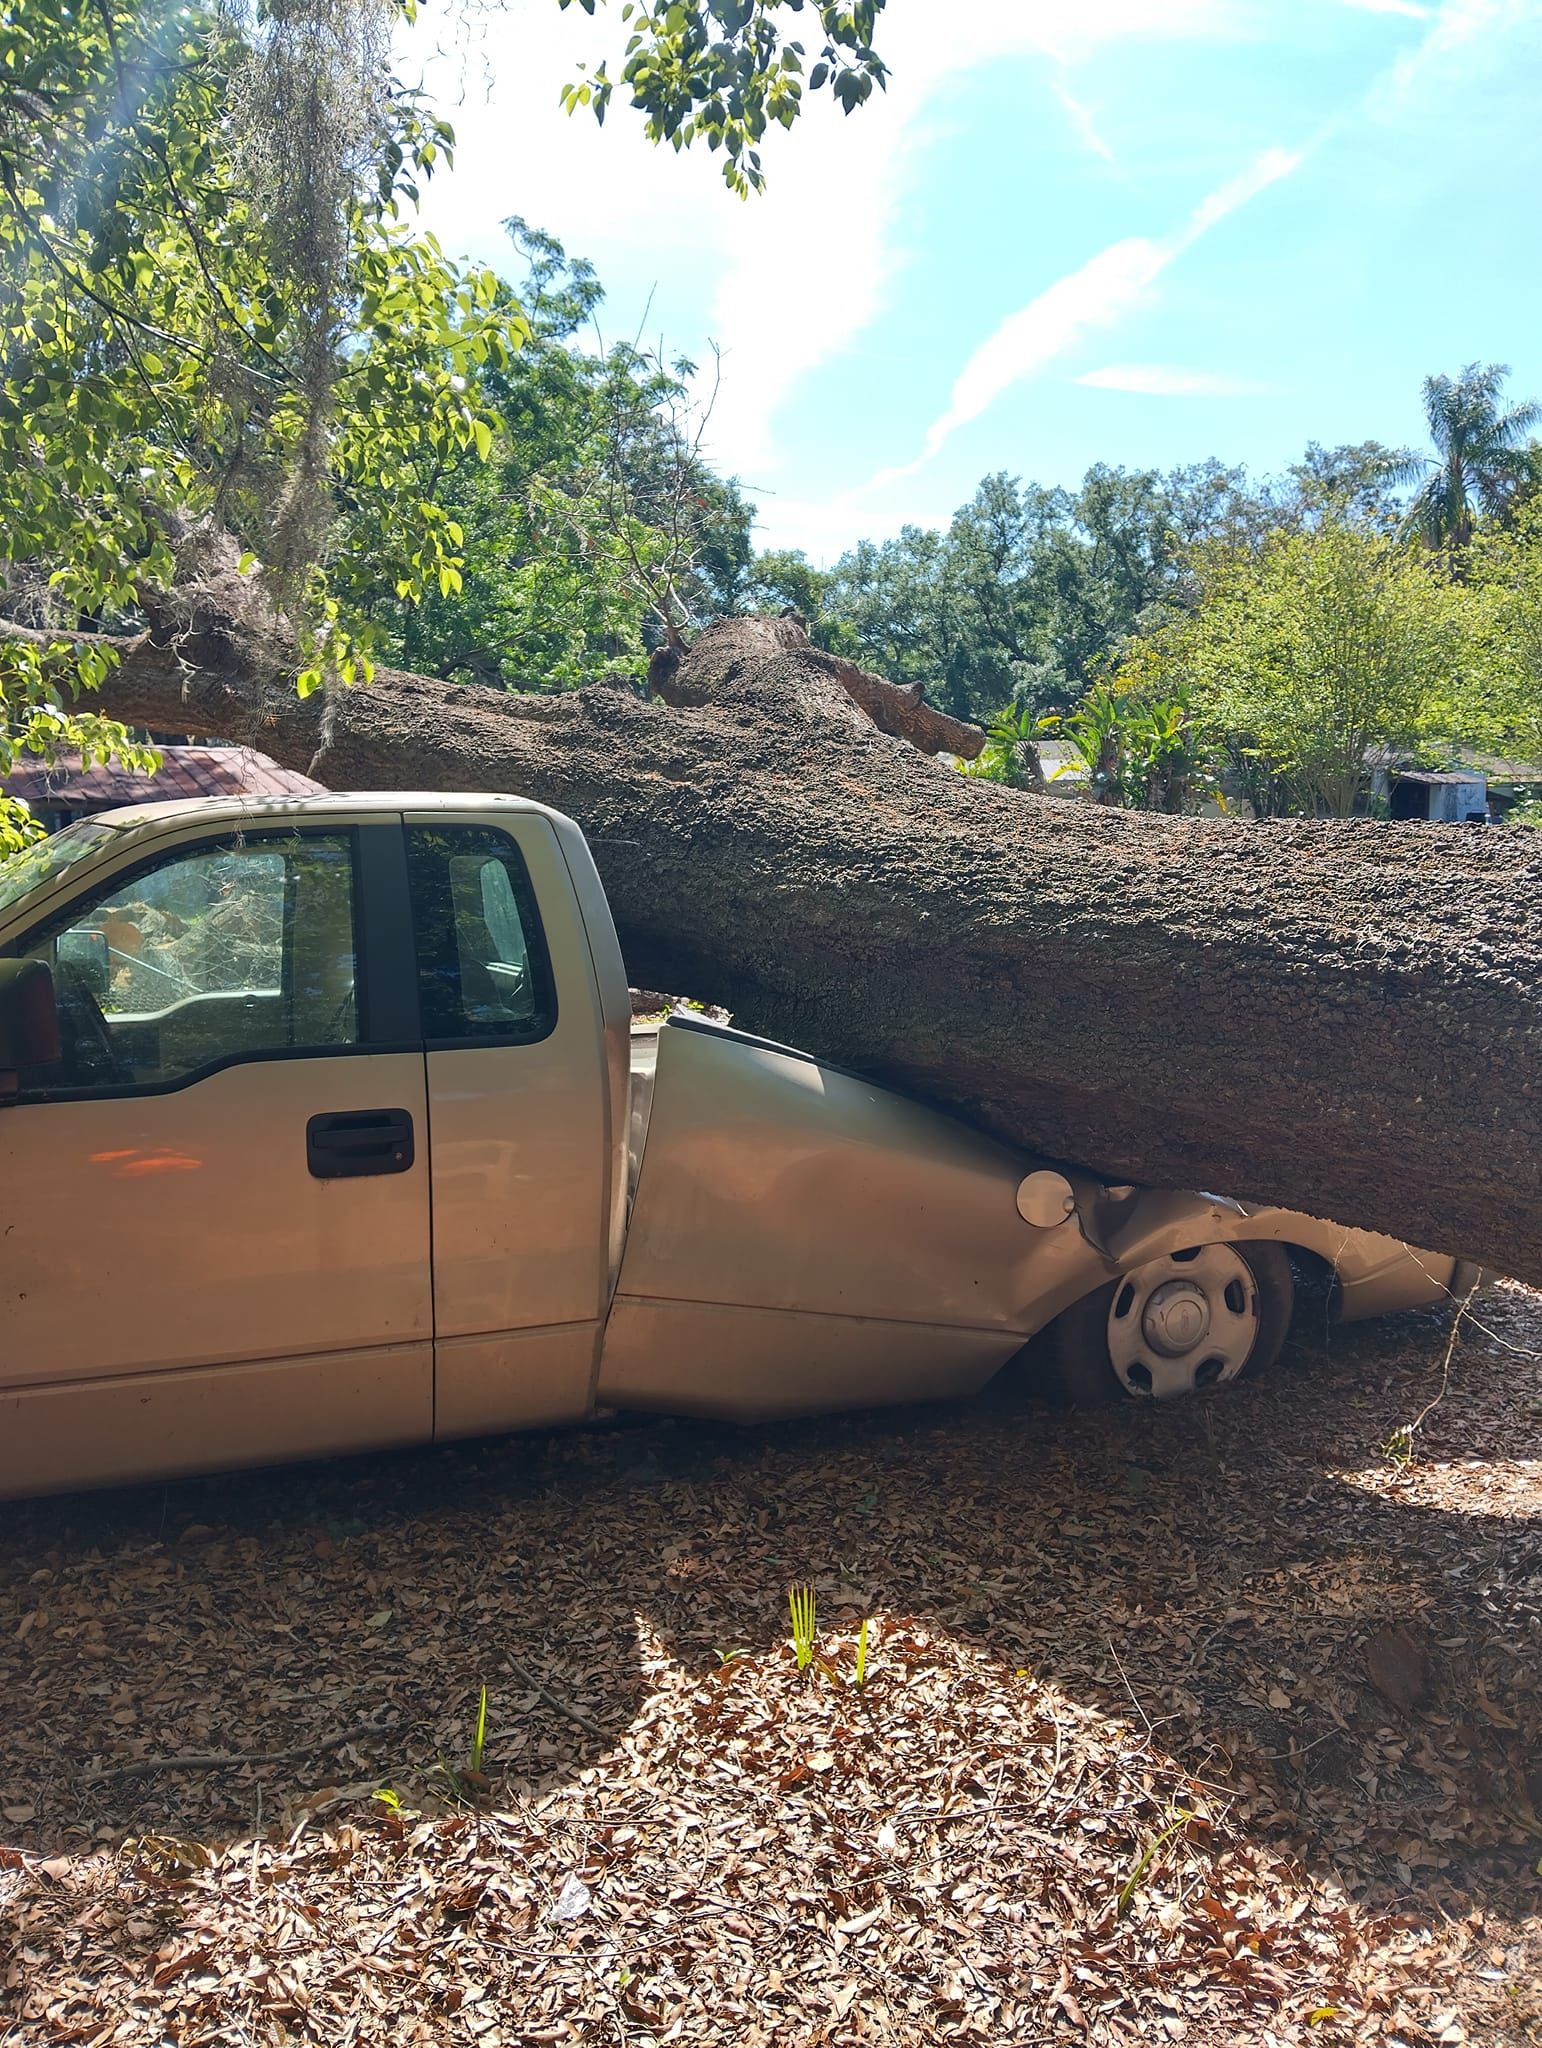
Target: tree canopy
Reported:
point(1189, 632)
point(723, 72)
point(1482, 463)
point(1032, 593)
point(595, 527)
point(1310, 651)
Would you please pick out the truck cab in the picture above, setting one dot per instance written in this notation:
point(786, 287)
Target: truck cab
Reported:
point(332, 1154)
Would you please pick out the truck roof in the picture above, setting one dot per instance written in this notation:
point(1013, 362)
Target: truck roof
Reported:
point(241, 810)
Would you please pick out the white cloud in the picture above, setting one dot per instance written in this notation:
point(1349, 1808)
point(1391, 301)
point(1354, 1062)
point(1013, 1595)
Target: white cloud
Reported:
point(1410, 8)
point(1106, 287)
point(824, 528)
point(801, 270)
point(813, 258)
point(1163, 380)
point(1462, 35)
point(497, 75)
point(1082, 121)
point(808, 266)
point(1266, 169)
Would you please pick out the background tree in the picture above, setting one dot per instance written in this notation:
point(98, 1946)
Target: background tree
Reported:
point(595, 527)
point(1501, 707)
point(896, 607)
point(1359, 482)
point(1030, 592)
point(1481, 459)
point(1311, 651)
point(779, 580)
point(1032, 601)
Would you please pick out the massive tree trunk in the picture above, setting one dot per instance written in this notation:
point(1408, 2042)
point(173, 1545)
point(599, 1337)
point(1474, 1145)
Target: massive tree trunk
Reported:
point(1340, 1017)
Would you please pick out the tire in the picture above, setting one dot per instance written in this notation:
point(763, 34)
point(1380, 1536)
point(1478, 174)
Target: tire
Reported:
point(1081, 1369)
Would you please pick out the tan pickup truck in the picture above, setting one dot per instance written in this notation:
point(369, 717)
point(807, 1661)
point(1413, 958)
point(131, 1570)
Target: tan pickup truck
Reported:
point(323, 1125)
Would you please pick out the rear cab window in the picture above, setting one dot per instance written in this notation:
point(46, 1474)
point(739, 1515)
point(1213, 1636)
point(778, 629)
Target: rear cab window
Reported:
point(484, 972)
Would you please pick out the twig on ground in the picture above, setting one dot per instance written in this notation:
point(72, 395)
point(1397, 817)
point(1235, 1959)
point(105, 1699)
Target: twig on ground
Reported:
point(528, 1679)
point(1134, 1701)
point(1411, 1429)
point(231, 1760)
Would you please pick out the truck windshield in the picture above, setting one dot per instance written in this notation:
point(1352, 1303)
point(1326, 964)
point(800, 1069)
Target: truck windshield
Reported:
point(40, 863)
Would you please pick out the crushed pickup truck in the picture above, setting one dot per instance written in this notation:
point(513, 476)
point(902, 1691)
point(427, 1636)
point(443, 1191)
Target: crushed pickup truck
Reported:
point(324, 1126)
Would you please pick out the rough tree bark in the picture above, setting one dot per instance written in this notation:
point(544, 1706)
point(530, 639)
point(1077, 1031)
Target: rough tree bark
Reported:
point(1340, 1017)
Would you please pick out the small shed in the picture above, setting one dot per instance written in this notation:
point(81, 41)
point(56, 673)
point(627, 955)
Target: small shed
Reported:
point(1450, 797)
point(61, 791)
point(1510, 782)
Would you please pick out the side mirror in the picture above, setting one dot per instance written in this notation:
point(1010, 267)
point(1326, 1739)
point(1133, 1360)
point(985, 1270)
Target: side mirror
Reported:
point(29, 1022)
point(85, 950)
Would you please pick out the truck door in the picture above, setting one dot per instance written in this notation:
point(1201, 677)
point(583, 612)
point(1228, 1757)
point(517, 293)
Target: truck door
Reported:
point(214, 1245)
point(523, 1156)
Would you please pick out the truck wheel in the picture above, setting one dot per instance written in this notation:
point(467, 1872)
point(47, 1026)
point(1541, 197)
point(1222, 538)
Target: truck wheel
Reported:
point(1190, 1319)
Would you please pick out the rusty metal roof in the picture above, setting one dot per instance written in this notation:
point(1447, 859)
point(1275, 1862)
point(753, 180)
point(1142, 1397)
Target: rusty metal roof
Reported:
point(190, 771)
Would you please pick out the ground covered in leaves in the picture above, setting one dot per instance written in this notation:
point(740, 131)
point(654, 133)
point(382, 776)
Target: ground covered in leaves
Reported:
point(1218, 1724)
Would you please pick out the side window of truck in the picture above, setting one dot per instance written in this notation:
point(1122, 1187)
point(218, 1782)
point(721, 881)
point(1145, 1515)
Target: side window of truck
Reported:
point(483, 969)
point(222, 951)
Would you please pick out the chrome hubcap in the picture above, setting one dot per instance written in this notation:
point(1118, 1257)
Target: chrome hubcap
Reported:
point(1187, 1320)
point(1175, 1319)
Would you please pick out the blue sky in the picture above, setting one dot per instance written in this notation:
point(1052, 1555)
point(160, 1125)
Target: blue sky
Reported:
point(1127, 231)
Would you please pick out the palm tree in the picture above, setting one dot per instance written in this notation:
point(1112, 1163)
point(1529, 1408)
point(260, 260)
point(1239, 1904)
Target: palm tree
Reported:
point(1481, 457)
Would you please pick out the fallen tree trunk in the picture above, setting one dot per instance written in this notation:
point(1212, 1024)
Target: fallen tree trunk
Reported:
point(1340, 1017)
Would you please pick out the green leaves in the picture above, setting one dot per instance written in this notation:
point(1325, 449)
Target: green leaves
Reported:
point(862, 1643)
point(1482, 461)
point(803, 1613)
point(479, 1734)
point(157, 370)
point(1312, 649)
point(720, 72)
point(1501, 705)
point(1140, 749)
point(1006, 756)
point(592, 512)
